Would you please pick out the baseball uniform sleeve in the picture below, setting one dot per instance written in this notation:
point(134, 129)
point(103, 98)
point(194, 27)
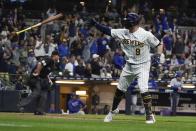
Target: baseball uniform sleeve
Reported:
point(118, 33)
point(104, 29)
point(152, 40)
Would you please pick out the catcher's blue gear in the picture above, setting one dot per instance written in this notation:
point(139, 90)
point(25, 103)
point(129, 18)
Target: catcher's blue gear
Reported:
point(131, 19)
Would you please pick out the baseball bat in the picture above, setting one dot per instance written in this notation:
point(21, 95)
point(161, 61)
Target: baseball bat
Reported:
point(52, 18)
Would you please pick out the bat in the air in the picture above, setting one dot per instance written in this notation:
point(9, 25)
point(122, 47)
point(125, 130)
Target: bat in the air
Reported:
point(52, 18)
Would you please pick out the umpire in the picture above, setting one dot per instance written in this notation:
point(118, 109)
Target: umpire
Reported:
point(40, 83)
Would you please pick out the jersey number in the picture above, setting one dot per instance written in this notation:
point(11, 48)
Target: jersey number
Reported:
point(137, 51)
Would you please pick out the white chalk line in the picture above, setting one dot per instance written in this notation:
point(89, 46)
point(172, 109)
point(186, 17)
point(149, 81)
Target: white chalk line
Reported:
point(14, 125)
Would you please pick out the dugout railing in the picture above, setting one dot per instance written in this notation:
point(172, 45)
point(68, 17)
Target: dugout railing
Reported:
point(104, 87)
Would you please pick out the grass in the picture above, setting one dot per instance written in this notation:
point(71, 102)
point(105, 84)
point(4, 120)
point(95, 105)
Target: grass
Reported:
point(29, 122)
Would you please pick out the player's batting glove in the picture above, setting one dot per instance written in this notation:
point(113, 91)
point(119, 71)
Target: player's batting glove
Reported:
point(155, 60)
point(158, 58)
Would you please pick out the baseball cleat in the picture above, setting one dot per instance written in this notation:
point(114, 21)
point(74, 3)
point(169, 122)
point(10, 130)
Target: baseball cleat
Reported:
point(109, 116)
point(150, 119)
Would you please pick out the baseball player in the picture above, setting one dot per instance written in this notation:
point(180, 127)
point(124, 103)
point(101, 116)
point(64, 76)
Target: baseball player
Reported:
point(136, 43)
point(176, 85)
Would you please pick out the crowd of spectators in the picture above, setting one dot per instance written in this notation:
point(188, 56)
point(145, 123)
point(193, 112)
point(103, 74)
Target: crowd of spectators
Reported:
point(86, 52)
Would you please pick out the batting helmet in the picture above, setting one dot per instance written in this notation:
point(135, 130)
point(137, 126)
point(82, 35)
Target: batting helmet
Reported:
point(131, 19)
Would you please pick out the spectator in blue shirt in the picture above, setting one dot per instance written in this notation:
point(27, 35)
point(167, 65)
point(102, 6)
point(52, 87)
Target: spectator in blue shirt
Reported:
point(93, 48)
point(84, 31)
point(118, 59)
point(157, 23)
point(63, 48)
point(164, 20)
point(102, 44)
point(168, 42)
point(152, 84)
point(181, 60)
point(75, 105)
point(173, 24)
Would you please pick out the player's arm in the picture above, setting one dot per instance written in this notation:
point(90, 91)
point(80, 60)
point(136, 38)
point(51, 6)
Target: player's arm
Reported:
point(38, 45)
point(83, 106)
point(50, 81)
point(38, 69)
point(155, 43)
point(160, 48)
point(159, 51)
point(105, 29)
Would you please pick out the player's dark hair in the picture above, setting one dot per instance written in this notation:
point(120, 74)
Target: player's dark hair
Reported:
point(55, 53)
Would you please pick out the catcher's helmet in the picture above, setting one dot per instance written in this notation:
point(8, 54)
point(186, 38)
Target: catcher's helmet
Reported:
point(131, 19)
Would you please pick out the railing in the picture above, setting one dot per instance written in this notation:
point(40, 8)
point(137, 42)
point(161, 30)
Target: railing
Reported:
point(10, 80)
point(12, 77)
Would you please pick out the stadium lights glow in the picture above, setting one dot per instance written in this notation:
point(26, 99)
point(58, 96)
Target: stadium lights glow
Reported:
point(69, 82)
point(188, 86)
point(185, 86)
point(110, 1)
point(81, 93)
point(114, 83)
point(82, 3)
